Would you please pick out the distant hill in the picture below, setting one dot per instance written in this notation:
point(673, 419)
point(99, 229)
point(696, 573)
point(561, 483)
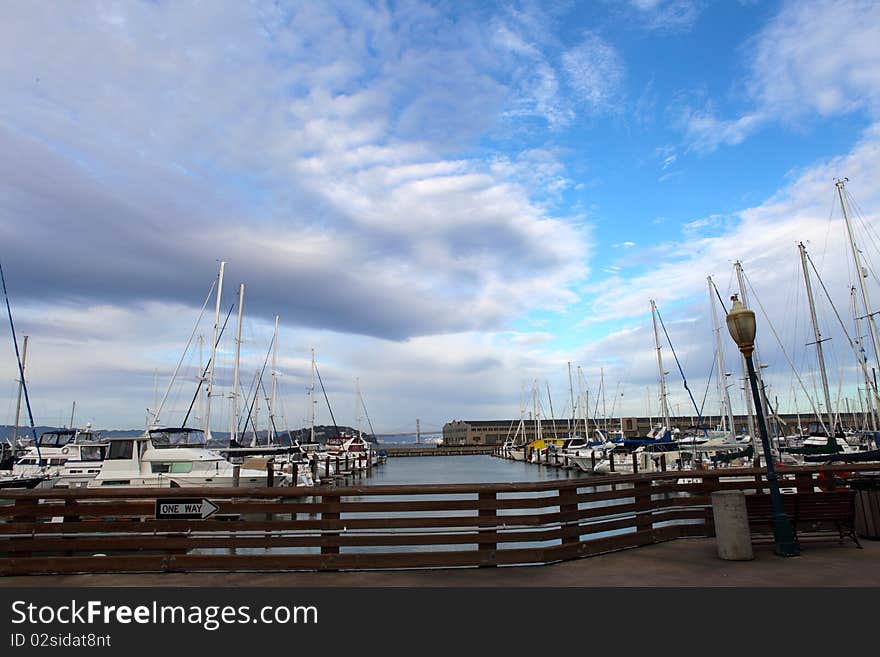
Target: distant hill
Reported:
point(322, 432)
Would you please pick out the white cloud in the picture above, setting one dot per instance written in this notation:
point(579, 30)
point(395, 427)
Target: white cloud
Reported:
point(814, 59)
point(595, 71)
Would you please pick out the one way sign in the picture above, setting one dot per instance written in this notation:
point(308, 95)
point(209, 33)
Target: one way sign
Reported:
point(184, 509)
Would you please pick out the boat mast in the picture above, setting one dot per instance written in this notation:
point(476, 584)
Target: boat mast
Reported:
point(233, 420)
point(27, 398)
point(663, 401)
point(861, 275)
point(722, 373)
point(201, 377)
point(357, 394)
point(210, 390)
point(572, 420)
point(818, 337)
point(72, 414)
point(863, 357)
point(256, 426)
point(20, 382)
point(312, 401)
point(274, 384)
point(604, 409)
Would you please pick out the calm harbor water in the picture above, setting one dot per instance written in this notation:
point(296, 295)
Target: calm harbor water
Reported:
point(449, 470)
point(460, 469)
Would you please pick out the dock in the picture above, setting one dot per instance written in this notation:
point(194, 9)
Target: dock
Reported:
point(438, 451)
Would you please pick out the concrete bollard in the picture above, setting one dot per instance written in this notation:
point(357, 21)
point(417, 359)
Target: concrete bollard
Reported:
point(732, 534)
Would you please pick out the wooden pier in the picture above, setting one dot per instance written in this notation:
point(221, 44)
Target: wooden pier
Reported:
point(345, 528)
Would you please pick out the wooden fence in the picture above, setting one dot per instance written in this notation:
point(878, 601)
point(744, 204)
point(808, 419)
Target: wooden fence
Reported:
point(368, 527)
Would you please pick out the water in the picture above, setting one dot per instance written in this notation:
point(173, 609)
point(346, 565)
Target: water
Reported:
point(477, 469)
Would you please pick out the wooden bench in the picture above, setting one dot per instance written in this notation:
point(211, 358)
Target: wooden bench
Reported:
point(811, 514)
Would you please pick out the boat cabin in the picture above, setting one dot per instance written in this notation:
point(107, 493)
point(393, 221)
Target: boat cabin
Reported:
point(58, 438)
point(172, 437)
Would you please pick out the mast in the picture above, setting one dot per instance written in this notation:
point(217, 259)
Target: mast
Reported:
point(818, 336)
point(861, 272)
point(233, 420)
point(201, 378)
point(663, 401)
point(155, 393)
point(210, 390)
point(271, 440)
point(357, 389)
point(604, 410)
point(256, 407)
point(863, 356)
point(572, 420)
point(312, 401)
point(72, 414)
point(722, 376)
point(20, 382)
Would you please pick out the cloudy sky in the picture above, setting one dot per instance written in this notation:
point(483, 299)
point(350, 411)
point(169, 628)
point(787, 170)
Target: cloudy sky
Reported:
point(448, 201)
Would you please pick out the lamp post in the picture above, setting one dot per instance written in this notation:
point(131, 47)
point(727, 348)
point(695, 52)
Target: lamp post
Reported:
point(741, 324)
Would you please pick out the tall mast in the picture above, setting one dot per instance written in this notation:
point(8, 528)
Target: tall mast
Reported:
point(604, 409)
point(357, 394)
point(663, 401)
point(312, 401)
point(72, 414)
point(863, 356)
point(274, 384)
point(233, 419)
point(571, 397)
point(818, 337)
point(723, 392)
point(257, 382)
point(201, 378)
point(210, 390)
point(861, 274)
point(20, 385)
point(155, 393)
point(747, 390)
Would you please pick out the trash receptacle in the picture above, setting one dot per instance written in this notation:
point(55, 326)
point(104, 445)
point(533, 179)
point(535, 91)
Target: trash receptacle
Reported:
point(732, 535)
point(867, 506)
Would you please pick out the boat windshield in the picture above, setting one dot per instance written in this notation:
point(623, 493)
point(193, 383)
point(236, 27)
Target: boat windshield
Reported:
point(164, 438)
point(56, 438)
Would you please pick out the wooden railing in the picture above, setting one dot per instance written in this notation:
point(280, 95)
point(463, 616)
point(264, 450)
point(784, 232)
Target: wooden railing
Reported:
point(369, 527)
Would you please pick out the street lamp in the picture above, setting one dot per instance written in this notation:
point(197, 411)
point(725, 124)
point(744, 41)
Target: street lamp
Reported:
point(741, 324)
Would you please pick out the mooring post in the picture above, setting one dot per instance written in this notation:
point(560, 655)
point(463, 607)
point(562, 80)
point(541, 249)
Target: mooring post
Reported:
point(487, 540)
point(330, 529)
point(270, 473)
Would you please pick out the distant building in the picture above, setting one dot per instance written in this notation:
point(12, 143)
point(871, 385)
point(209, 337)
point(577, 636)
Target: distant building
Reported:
point(495, 432)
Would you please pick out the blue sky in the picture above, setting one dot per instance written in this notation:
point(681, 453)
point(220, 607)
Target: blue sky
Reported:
point(449, 201)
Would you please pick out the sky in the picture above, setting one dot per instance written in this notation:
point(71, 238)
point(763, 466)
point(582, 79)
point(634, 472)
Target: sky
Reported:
point(451, 203)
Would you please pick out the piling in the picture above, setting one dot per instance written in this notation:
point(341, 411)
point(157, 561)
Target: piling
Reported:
point(732, 525)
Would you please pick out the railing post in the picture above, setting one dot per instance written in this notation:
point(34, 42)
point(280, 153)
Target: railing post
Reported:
point(26, 504)
point(611, 461)
point(642, 494)
point(487, 539)
point(568, 508)
point(663, 463)
point(270, 473)
point(635, 460)
point(327, 467)
point(328, 532)
point(803, 481)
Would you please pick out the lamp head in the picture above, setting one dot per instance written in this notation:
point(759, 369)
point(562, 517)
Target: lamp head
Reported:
point(741, 324)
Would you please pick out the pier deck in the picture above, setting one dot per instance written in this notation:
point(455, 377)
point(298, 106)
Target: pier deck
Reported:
point(680, 563)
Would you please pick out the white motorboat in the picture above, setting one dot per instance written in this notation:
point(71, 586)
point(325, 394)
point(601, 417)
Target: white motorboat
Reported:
point(174, 457)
